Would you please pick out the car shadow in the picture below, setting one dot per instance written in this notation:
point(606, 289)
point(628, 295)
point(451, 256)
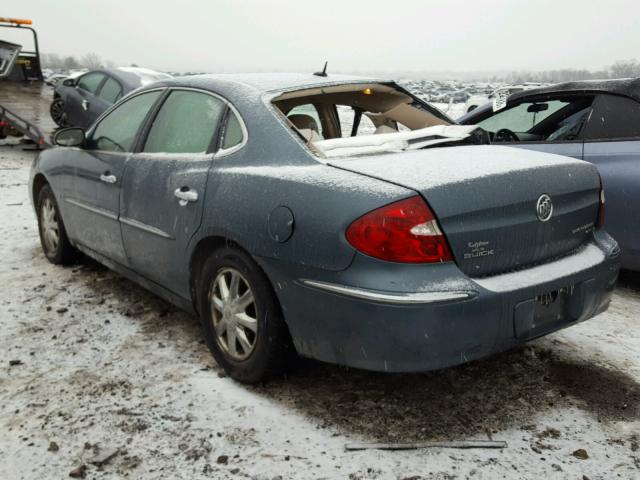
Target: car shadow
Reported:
point(508, 390)
point(482, 397)
point(629, 279)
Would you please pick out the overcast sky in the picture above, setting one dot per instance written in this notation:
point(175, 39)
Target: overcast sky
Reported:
point(357, 36)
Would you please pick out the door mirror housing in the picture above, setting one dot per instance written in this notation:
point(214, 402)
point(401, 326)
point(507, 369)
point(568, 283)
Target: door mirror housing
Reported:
point(69, 137)
point(69, 82)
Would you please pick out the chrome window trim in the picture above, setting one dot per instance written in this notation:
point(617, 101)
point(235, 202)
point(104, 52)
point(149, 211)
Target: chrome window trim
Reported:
point(397, 298)
point(113, 108)
point(221, 152)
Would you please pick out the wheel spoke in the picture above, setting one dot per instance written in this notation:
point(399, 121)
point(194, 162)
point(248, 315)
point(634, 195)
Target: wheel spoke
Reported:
point(224, 288)
point(221, 327)
point(233, 286)
point(218, 304)
point(246, 321)
point(231, 341)
point(244, 341)
point(244, 301)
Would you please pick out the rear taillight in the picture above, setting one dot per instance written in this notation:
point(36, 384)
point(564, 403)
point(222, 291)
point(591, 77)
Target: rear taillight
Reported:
point(404, 231)
point(600, 219)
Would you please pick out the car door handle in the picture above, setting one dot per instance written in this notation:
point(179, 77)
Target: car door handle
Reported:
point(108, 178)
point(85, 105)
point(185, 195)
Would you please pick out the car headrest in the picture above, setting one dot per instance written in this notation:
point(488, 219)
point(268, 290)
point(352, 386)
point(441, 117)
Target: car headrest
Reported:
point(302, 122)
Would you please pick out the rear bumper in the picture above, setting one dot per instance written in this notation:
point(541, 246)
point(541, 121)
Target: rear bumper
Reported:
point(400, 318)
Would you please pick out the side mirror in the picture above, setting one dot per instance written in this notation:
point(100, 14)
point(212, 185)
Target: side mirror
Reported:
point(69, 82)
point(69, 137)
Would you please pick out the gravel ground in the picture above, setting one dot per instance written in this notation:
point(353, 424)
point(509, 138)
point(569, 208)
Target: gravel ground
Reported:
point(96, 372)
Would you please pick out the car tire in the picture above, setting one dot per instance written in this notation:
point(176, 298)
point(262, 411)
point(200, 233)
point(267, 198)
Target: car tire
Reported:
point(247, 354)
point(58, 112)
point(53, 235)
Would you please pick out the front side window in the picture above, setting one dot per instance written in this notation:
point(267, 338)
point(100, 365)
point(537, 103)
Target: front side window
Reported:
point(90, 82)
point(111, 91)
point(185, 123)
point(117, 131)
point(614, 118)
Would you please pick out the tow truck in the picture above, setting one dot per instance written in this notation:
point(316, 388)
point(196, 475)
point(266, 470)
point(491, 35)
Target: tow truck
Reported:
point(24, 97)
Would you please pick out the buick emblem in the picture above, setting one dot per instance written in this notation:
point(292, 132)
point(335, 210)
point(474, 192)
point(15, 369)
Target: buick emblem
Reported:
point(544, 208)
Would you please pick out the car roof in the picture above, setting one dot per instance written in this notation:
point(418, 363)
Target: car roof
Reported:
point(135, 77)
point(268, 82)
point(628, 87)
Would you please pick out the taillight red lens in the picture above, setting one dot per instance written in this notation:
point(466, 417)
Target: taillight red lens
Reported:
point(404, 231)
point(600, 220)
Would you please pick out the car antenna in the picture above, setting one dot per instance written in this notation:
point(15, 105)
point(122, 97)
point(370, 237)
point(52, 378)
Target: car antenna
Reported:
point(323, 73)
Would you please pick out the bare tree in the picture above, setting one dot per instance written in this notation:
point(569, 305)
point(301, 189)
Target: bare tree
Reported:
point(51, 60)
point(624, 69)
point(91, 61)
point(70, 63)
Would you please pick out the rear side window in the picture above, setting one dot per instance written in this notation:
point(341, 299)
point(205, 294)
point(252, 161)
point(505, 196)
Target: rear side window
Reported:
point(117, 131)
point(90, 82)
point(613, 118)
point(185, 123)
point(233, 132)
point(111, 91)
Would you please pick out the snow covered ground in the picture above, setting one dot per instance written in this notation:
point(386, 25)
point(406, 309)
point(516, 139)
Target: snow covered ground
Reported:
point(95, 371)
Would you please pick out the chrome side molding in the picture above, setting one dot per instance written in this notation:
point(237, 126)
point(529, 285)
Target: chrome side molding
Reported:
point(399, 298)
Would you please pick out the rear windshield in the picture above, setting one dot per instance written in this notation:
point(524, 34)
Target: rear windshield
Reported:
point(362, 118)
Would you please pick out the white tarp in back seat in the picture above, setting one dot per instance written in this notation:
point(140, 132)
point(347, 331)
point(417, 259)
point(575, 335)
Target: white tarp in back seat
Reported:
point(392, 142)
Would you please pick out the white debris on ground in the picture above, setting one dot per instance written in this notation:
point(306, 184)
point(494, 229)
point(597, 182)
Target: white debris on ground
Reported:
point(100, 378)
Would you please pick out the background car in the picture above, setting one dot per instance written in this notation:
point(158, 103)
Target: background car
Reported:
point(500, 94)
point(55, 78)
point(257, 202)
point(597, 121)
point(80, 101)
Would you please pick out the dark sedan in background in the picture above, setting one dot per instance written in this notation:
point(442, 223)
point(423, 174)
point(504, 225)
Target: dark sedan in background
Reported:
point(81, 100)
point(246, 199)
point(597, 121)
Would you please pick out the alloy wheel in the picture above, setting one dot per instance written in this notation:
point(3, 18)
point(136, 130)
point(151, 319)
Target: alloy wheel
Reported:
point(234, 314)
point(58, 114)
point(49, 225)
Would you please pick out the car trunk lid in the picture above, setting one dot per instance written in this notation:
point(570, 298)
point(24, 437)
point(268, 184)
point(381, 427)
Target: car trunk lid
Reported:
point(486, 199)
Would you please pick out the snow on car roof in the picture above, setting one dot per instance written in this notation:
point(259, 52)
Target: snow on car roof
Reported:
point(628, 87)
point(146, 75)
point(266, 82)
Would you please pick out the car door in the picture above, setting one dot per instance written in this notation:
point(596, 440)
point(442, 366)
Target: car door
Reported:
point(93, 196)
point(552, 124)
point(612, 143)
point(164, 185)
point(82, 98)
point(110, 92)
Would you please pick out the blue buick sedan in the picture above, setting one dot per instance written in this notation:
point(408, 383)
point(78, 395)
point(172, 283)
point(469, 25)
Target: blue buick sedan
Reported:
point(339, 218)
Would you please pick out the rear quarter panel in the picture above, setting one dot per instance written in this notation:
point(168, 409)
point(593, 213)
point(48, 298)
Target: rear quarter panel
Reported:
point(619, 165)
point(241, 201)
